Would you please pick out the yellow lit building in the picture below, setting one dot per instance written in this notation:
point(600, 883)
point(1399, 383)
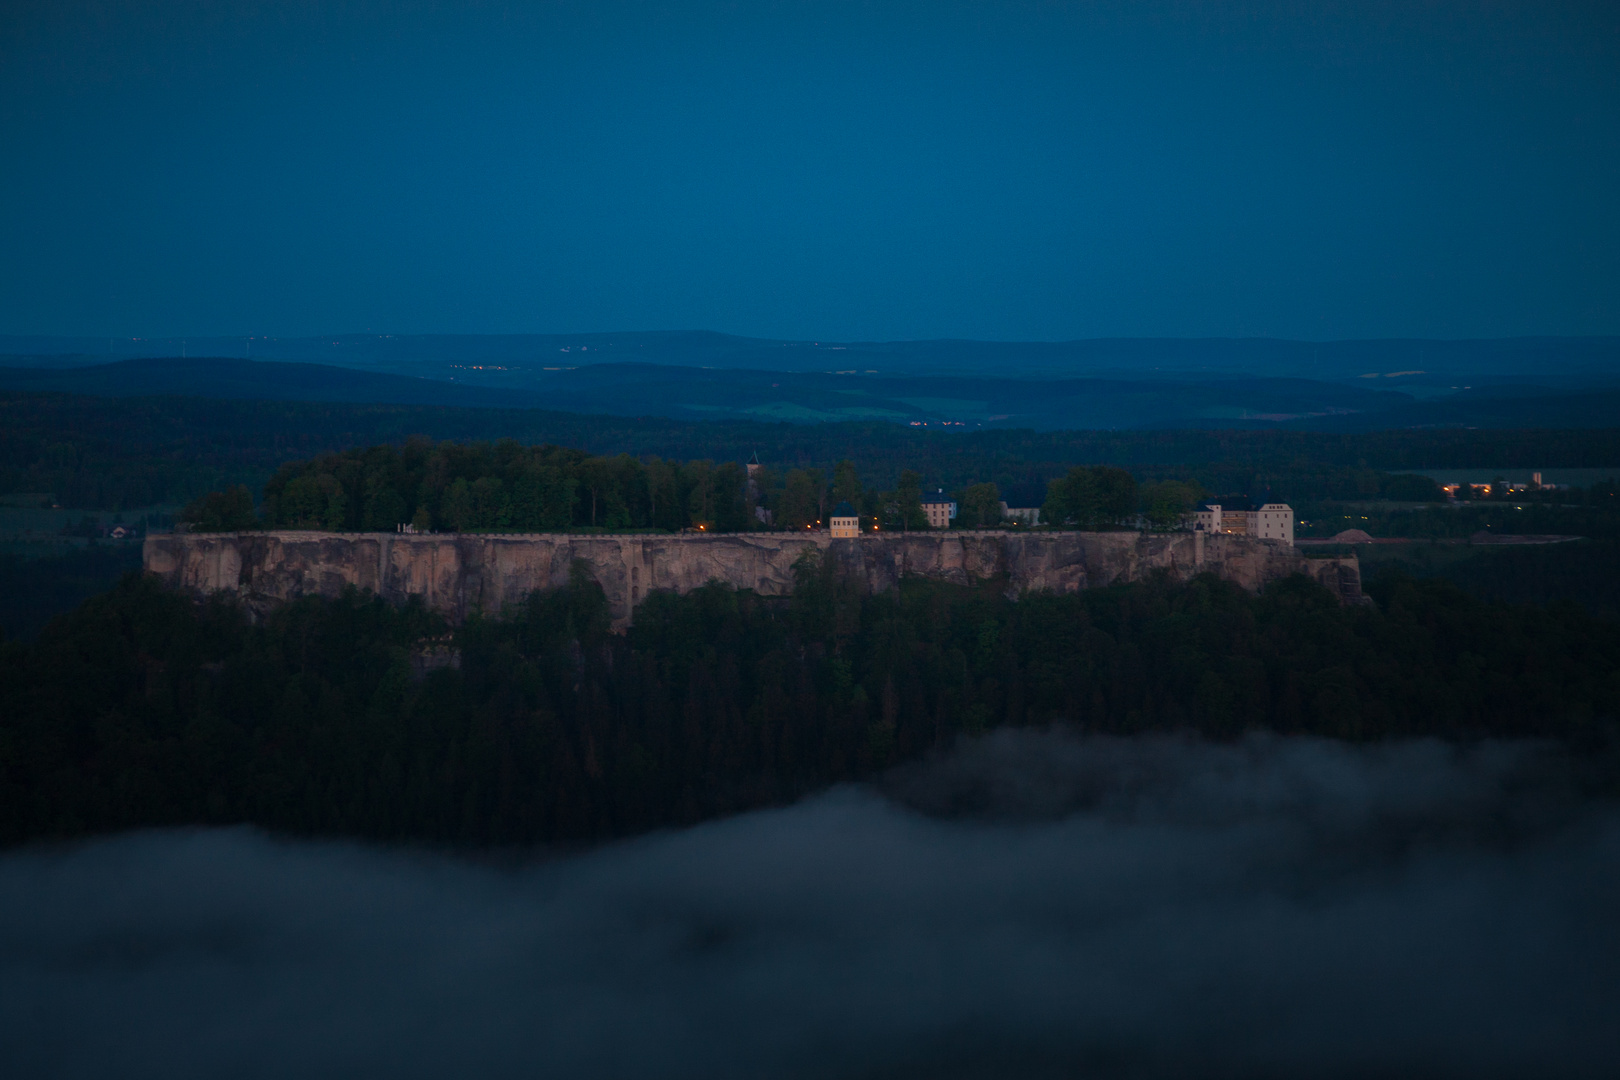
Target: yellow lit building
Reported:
point(940, 509)
point(845, 522)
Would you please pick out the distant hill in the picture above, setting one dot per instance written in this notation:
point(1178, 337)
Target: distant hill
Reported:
point(227, 377)
point(954, 402)
point(1553, 361)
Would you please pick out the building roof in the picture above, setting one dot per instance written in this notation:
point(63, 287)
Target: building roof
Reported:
point(937, 498)
point(1243, 506)
point(843, 509)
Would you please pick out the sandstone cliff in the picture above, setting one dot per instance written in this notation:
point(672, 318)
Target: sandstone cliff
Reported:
point(461, 573)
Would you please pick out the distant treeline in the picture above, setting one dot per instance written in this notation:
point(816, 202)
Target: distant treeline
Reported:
point(350, 717)
point(118, 453)
point(1592, 512)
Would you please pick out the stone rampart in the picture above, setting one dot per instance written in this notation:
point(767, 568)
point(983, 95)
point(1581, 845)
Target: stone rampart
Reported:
point(458, 574)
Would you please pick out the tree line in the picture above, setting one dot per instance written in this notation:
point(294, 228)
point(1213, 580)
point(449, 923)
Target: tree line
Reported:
point(121, 453)
point(351, 717)
point(462, 487)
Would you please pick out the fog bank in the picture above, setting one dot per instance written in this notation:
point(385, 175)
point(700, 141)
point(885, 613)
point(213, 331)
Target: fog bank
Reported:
point(1035, 904)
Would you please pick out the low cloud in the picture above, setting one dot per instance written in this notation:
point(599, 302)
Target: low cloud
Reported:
point(1036, 904)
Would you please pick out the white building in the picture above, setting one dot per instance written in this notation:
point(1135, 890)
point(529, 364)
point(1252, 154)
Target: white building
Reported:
point(940, 508)
point(1025, 515)
point(1273, 521)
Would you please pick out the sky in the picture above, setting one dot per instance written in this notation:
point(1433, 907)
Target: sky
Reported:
point(847, 170)
point(1142, 907)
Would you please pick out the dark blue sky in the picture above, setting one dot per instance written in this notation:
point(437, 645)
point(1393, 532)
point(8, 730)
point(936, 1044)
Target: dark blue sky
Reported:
point(840, 170)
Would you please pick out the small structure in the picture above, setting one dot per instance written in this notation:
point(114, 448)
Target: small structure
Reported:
point(756, 474)
point(755, 488)
point(845, 522)
point(1024, 515)
point(755, 471)
point(940, 508)
point(1207, 518)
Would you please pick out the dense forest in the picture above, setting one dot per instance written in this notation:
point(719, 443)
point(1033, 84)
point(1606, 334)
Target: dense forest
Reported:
point(351, 717)
point(478, 486)
point(119, 453)
point(32, 591)
point(1585, 573)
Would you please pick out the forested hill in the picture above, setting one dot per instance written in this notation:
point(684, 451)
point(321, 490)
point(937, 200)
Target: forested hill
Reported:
point(988, 398)
point(353, 718)
point(1558, 359)
point(215, 377)
point(114, 453)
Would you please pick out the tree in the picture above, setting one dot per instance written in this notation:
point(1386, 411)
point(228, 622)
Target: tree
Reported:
point(1072, 499)
point(846, 485)
point(1411, 487)
point(1089, 496)
point(456, 510)
point(731, 511)
point(313, 501)
point(800, 504)
point(488, 502)
point(230, 510)
point(700, 493)
point(384, 506)
point(1116, 494)
point(979, 506)
point(597, 477)
point(908, 501)
point(1167, 503)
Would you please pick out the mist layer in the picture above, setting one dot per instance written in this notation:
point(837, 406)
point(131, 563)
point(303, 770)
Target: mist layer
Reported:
point(1035, 904)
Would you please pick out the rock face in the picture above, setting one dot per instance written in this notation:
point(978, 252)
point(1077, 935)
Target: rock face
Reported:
point(458, 574)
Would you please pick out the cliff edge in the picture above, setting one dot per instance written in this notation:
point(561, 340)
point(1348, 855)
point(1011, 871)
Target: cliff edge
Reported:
point(458, 574)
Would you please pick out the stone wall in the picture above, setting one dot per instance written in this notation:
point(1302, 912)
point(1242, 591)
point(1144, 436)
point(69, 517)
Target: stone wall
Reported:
point(458, 574)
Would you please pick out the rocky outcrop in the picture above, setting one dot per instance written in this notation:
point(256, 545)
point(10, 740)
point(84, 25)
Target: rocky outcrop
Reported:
point(458, 574)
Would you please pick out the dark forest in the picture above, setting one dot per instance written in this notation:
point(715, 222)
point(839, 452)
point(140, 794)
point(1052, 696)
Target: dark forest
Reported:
point(350, 717)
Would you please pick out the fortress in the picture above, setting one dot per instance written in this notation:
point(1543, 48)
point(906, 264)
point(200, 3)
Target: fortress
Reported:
point(460, 573)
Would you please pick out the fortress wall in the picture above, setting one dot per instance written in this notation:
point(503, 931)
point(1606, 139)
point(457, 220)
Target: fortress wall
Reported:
point(458, 574)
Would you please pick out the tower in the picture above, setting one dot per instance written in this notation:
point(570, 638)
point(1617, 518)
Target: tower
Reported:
point(756, 473)
point(755, 469)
